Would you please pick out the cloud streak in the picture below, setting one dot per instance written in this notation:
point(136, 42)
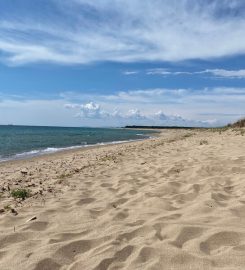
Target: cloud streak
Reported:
point(166, 72)
point(85, 31)
point(130, 72)
point(220, 73)
point(230, 74)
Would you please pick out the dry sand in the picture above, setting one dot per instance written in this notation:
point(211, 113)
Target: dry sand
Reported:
point(174, 202)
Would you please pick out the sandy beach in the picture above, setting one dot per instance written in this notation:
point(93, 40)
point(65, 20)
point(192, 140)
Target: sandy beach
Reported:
point(174, 202)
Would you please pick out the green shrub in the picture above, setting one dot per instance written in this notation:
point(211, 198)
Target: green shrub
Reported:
point(20, 193)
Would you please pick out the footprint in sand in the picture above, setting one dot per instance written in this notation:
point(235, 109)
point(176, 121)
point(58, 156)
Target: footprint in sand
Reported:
point(120, 256)
point(14, 238)
point(146, 254)
point(121, 215)
point(186, 234)
point(119, 202)
point(158, 229)
point(238, 211)
point(37, 226)
point(47, 264)
point(219, 242)
point(106, 185)
point(85, 201)
point(139, 232)
point(68, 252)
point(136, 223)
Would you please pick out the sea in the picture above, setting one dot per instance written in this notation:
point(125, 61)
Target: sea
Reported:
point(20, 142)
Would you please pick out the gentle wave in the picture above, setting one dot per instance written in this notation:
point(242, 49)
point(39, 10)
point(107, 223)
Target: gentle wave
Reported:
point(50, 150)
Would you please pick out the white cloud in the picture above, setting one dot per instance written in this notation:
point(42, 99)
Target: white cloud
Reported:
point(208, 106)
point(130, 72)
point(231, 74)
point(92, 110)
point(158, 71)
point(86, 31)
point(221, 73)
point(194, 107)
point(134, 116)
point(88, 110)
point(161, 115)
point(166, 72)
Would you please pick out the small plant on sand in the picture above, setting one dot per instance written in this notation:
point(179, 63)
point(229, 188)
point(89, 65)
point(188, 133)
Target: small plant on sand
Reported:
point(188, 135)
point(220, 129)
point(20, 193)
point(203, 142)
point(64, 175)
point(7, 207)
point(108, 158)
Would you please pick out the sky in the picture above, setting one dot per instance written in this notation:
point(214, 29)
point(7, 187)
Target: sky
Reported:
point(122, 62)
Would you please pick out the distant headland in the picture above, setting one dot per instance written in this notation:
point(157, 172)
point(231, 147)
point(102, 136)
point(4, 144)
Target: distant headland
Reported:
point(162, 127)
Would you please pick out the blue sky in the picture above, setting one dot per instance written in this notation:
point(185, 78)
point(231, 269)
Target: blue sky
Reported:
point(118, 62)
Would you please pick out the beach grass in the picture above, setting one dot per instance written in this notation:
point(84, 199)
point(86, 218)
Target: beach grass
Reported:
point(20, 193)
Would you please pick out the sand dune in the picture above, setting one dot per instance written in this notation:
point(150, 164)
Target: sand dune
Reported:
point(174, 202)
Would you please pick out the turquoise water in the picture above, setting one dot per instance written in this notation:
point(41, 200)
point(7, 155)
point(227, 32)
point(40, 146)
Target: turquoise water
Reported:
point(25, 141)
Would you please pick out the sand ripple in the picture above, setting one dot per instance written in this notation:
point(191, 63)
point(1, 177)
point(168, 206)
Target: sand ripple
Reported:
point(168, 203)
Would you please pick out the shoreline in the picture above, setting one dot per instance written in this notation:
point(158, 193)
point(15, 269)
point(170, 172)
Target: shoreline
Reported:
point(43, 147)
point(50, 150)
point(44, 152)
point(64, 152)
